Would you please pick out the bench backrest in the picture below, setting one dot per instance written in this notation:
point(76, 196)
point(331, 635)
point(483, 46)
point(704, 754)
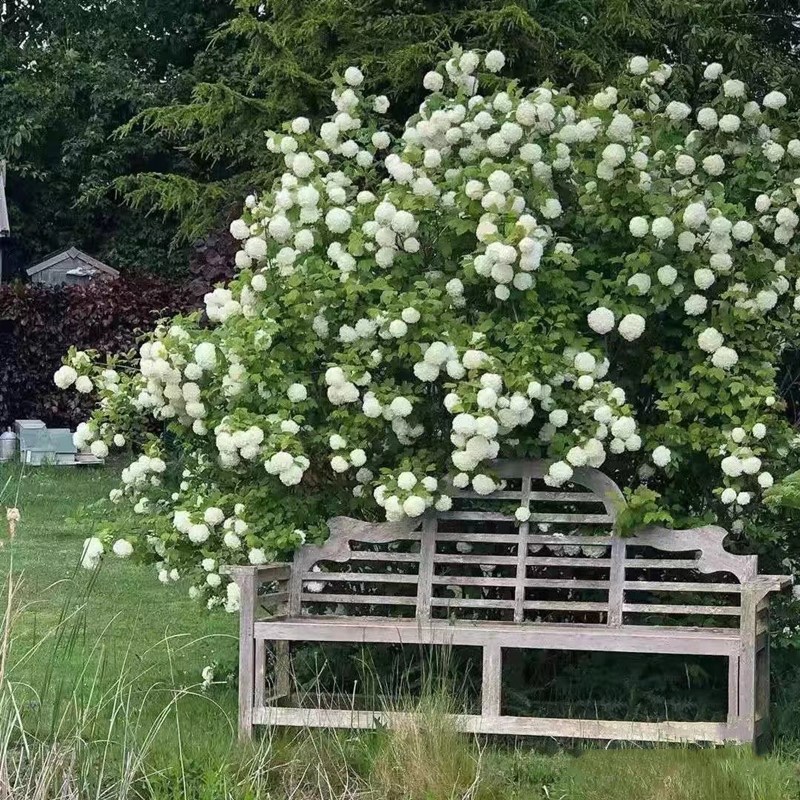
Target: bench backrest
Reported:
point(565, 563)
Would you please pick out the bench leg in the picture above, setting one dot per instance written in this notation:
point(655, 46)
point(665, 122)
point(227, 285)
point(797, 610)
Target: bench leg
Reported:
point(733, 691)
point(746, 722)
point(247, 653)
point(283, 669)
point(491, 685)
point(762, 733)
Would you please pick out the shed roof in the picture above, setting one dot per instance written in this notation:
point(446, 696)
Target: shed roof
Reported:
point(5, 227)
point(77, 260)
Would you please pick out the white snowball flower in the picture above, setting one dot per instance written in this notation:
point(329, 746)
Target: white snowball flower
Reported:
point(759, 430)
point(704, 278)
point(559, 472)
point(601, 320)
point(83, 384)
point(631, 326)
point(638, 65)
point(353, 76)
point(65, 376)
point(710, 340)
point(695, 305)
point(732, 466)
point(92, 552)
point(707, 118)
point(494, 61)
point(338, 220)
point(765, 480)
point(712, 71)
point(662, 228)
point(297, 393)
point(774, 100)
point(728, 496)
point(414, 506)
point(725, 358)
point(694, 215)
point(257, 556)
point(677, 111)
point(733, 88)
point(638, 227)
point(714, 164)
point(666, 275)
point(729, 123)
point(122, 548)
point(433, 81)
point(685, 164)
point(483, 484)
point(662, 456)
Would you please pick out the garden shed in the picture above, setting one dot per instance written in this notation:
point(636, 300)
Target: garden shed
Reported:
point(69, 267)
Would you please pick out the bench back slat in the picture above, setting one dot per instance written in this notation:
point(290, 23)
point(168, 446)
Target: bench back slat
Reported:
point(564, 563)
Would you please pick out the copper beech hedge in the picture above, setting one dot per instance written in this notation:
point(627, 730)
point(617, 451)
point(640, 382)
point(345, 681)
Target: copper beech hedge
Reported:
point(38, 325)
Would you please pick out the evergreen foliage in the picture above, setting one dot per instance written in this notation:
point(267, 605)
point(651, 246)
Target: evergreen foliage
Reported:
point(275, 57)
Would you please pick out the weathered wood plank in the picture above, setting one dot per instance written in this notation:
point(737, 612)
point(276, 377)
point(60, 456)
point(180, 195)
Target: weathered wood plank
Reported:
point(381, 556)
point(490, 538)
point(522, 550)
point(681, 586)
point(568, 561)
point(535, 497)
point(564, 605)
point(491, 683)
point(470, 602)
point(359, 599)
point(360, 577)
point(682, 640)
point(711, 732)
point(427, 555)
point(248, 587)
point(495, 516)
point(466, 558)
point(664, 608)
point(469, 580)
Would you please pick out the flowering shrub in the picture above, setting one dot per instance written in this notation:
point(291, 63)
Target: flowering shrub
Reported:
point(608, 278)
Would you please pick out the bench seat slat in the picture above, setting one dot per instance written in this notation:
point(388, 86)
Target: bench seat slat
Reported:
point(535, 635)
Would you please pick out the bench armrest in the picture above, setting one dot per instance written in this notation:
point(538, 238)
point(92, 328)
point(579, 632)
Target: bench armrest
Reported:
point(772, 583)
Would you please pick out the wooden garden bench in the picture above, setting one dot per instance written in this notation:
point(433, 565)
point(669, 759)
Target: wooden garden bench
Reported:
point(471, 576)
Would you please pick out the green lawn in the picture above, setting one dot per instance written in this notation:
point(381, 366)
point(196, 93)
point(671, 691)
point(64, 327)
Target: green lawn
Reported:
point(72, 625)
point(110, 664)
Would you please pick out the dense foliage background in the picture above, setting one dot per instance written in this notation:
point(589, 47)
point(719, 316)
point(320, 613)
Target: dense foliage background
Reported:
point(215, 75)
